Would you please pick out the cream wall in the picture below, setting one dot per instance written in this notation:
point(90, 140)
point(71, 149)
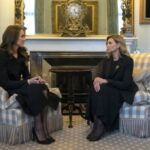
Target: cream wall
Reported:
point(6, 14)
point(141, 31)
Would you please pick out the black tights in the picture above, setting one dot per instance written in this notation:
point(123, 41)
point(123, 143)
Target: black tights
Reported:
point(40, 122)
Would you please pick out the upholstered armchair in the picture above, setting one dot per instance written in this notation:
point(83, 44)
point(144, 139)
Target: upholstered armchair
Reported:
point(135, 118)
point(16, 126)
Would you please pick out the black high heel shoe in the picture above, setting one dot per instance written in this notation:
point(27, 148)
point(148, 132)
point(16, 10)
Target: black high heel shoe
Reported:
point(51, 139)
point(46, 141)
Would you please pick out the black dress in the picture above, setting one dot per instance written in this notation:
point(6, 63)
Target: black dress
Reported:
point(106, 103)
point(13, 78)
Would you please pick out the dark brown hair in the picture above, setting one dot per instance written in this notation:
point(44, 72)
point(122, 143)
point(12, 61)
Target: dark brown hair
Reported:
point(9, 39)
point(10, 36)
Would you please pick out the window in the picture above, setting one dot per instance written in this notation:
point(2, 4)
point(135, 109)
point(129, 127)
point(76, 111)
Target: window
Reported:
point(120, 21)
point(29, 21)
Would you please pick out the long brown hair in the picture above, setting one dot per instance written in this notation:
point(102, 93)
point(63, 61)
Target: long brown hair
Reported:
point(10, 37)
point(119, 39)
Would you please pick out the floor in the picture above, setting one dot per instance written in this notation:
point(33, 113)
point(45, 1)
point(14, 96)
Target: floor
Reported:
point(75, 139)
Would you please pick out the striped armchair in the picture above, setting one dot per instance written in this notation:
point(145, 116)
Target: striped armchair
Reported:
point(135, 118)
point(16, 126)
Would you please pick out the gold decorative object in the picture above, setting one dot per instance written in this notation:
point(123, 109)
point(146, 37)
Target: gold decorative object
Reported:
point(127, 13)
point(19, 12)
point(144, 12)
point(90, 18)
point(74, 13)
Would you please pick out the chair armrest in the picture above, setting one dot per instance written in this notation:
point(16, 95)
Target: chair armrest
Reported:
point(56, 91)
point(10, 103)
point(6, 101)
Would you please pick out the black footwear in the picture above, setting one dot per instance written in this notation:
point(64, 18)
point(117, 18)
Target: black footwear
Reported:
point(99, 131)
point(51, 139)
point(97, 136)
point(92, 132)
point(46, 141)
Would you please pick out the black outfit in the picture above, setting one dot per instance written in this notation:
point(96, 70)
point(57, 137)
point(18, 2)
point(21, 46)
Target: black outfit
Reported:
point(106, 103)
point(13, 78)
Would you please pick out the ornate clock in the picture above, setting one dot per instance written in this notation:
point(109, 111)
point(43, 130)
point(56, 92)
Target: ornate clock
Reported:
point(74, 11)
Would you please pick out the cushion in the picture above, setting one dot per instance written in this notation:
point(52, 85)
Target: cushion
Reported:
point(146, 83)
point(141, 98)
point(141, 86)
point(141, 60)
point(140, 74)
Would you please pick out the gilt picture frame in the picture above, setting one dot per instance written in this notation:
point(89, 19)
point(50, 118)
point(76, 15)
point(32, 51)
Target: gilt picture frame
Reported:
point(144, 12)
point(19, 12)
point(91, 18)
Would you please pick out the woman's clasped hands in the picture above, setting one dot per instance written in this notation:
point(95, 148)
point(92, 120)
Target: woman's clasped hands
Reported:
point(36, 80)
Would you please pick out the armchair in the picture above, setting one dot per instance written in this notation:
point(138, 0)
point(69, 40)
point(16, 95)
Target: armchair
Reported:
point(16, 126)
point(135, 118)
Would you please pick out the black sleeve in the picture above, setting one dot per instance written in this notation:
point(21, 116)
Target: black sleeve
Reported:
point(5, 82)
point(127, 77)
point(101, 69)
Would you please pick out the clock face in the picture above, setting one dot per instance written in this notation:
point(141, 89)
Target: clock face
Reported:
point(74, 10)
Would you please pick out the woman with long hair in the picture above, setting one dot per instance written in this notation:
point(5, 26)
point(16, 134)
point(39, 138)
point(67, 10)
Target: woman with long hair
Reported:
point(33, 95)
point(111, 88)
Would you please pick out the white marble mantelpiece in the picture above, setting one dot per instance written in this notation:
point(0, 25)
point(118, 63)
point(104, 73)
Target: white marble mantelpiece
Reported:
point(54, 43)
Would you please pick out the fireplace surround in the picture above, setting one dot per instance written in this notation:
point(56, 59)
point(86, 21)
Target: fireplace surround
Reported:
point(41, 62)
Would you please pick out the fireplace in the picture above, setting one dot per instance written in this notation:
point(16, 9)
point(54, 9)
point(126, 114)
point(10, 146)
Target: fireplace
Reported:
point(71, 72)
point(42, 62)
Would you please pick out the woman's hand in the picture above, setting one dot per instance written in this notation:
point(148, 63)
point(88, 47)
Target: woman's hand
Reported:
point(100, 80)
point(41, 80)
point(97, 82)
point(36, 80)
point(97, 87)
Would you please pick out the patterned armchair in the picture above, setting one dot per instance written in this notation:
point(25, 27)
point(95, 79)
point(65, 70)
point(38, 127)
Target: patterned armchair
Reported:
point(16, 126)
point(135, 118)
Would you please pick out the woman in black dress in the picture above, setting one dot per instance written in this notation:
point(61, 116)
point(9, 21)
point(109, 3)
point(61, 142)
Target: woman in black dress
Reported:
point(33, 94)
point(110, 89)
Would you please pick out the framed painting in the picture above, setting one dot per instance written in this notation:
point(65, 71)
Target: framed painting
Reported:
point(144, 11)
point(91, 18)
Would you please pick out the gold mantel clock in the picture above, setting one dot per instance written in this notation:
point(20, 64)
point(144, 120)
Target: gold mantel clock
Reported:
point(74, 11)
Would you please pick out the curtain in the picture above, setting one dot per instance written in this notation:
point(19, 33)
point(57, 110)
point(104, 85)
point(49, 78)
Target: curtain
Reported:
point(112, 16)
point(39, 16)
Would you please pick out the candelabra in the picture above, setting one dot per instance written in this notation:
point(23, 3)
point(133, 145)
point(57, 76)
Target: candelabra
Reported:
point(126, 17)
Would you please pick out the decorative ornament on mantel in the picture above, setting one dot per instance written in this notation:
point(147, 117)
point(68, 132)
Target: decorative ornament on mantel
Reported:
point(74, 11)
point(127, 29)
